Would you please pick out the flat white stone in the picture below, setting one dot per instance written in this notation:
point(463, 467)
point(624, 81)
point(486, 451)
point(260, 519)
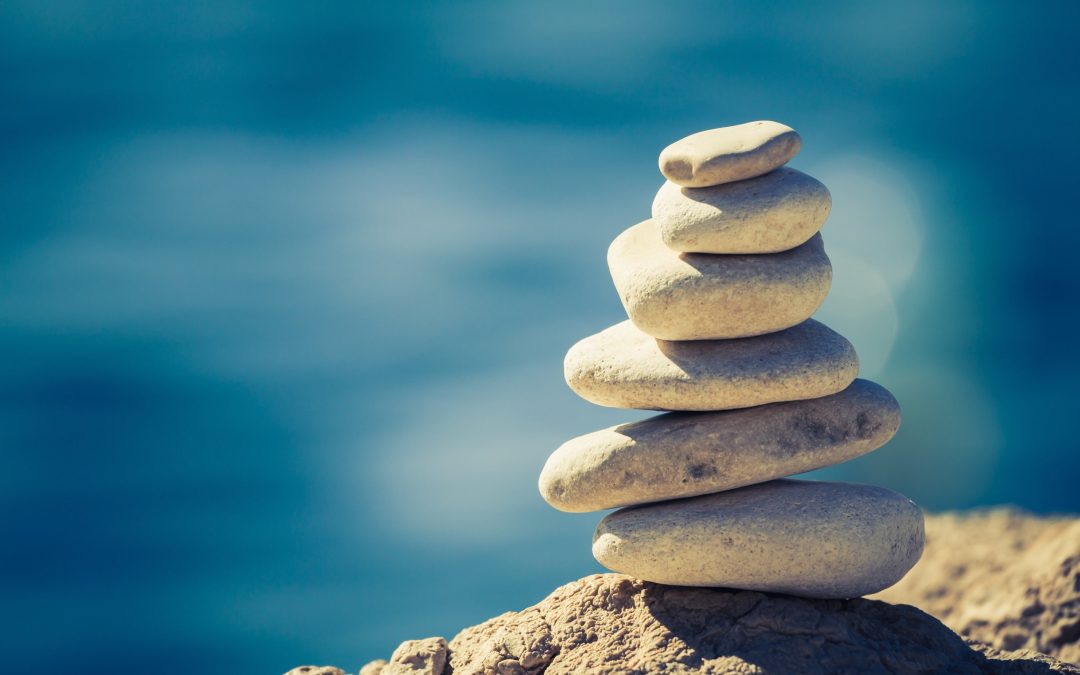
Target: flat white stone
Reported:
point(687, 454)
point(814, 539)
point(698, 296)
point(771, 213)
point(622, 367)
point(729, 154)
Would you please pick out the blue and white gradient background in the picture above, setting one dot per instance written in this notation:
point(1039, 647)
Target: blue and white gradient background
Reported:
point(285, 290)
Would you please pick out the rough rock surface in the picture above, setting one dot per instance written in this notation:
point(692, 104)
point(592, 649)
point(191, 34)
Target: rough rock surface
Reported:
point(614, 624)
point(412, 657)
point(1001, 577)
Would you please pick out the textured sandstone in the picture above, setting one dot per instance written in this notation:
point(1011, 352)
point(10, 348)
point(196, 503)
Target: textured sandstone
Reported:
point(806, 538)
point(412, 657)
point(687, 454)
point(729, 154)
point(697, 296)
point(1001, 577)
point(622, 367)
point(771, 213)
point(609, 624)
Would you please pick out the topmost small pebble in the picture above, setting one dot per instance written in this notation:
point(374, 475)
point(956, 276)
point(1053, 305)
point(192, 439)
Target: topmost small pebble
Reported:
point(728, 154)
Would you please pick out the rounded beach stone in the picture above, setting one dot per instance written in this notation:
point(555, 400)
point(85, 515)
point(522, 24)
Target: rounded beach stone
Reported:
point(622, 367)
point(729, 154)
point(808, 538)
point(685, 454)
point(697, 296)
point(775, 212)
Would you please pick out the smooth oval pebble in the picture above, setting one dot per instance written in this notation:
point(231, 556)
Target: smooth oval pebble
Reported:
point(729, 154)
point(771, 213)
point(622, 367)
point(693, 453)
point(697, 296)
point(808, 538)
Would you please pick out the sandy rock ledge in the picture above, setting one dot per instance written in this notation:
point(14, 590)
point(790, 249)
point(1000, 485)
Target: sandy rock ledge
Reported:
point(1001, 577)
point(609, 623)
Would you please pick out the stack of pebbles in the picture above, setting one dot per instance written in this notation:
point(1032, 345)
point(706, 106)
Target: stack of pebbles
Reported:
point(719, 286)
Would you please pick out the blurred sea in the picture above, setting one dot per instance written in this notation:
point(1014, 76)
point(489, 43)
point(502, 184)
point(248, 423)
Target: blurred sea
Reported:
point(286, 287)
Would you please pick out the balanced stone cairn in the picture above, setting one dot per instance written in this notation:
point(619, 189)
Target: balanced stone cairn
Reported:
point(719, 286)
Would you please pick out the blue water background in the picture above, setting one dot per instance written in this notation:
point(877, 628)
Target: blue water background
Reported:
point(285, 290)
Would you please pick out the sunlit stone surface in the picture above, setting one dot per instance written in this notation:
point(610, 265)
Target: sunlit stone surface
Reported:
point(808, 538)
point(622, 367)
point(697, 296)
point(729, 154)
point(768, 214)
point(687, 454)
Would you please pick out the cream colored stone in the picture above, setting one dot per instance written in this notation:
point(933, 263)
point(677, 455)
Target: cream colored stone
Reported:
point(622, 367)
point(696, 296)
point(729, 154)
point(418, 657)
point(686, 454)
point(808, 538)
point(771, 213)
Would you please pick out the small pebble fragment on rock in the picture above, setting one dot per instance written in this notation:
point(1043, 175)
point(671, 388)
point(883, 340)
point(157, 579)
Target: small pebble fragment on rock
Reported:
point(693, 453)
point(729, 154)
point(697, 296)
point(768, 214)
point(806, 538)
point(622, 367)
point(373, 667)
point(316, 670)
point(417, 657)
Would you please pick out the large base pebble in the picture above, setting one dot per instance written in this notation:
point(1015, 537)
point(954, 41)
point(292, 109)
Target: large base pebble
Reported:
point(622, 367)
point(696, 296)
point(806, 538)
point(775, 212)
point(729, 154)
point(687, 454)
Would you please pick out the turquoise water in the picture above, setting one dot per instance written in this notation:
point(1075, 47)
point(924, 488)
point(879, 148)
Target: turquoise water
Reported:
point(286, 291)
